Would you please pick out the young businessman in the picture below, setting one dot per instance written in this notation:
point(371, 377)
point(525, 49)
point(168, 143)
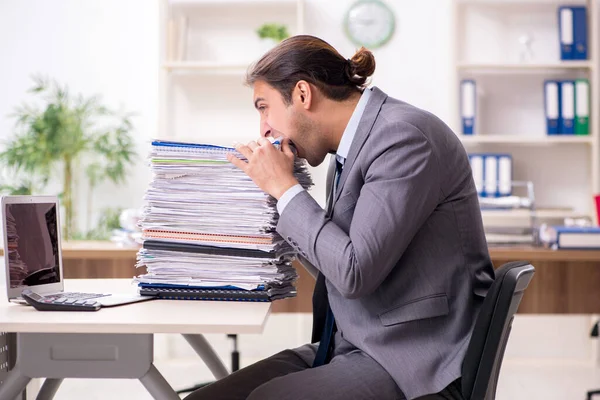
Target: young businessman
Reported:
point(400, 252)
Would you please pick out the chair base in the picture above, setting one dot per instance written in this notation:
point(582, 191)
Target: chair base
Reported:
point(193, 388)
point(591, 393)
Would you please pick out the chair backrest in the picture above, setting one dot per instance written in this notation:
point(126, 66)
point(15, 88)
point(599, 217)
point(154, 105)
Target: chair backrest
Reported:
point(483, 359)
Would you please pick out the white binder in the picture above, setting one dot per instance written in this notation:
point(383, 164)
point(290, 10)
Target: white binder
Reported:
point(477, 171)
point(567, 108)
point(468, 98)
point(504, 175)
point(491, 176)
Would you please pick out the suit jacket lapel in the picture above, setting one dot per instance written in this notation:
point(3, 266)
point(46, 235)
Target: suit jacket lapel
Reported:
point(364, 128)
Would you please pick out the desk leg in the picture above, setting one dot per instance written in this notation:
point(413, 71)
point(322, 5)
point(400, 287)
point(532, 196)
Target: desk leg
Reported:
point(157, 386)
point(49, 389)
point(14, 384)
point(208, 355)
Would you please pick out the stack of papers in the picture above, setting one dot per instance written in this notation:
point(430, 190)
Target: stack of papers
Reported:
point(207, 225)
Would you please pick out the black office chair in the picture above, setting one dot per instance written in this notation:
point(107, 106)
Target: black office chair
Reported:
point(481, 366)
point(594, 333)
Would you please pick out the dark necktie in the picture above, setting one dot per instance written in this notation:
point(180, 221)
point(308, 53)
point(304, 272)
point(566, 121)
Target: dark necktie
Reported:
point(325, 344)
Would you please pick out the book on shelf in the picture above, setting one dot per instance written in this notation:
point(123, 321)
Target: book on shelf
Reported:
point(571, 237)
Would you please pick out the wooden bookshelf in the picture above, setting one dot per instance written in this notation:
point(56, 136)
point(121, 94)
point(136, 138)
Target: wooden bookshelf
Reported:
point(510, 116)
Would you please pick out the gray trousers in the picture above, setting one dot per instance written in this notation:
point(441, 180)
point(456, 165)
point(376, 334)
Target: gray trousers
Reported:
point(351, 374)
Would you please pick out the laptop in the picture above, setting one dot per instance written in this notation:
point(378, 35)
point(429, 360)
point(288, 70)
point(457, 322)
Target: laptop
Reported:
point(32, 252)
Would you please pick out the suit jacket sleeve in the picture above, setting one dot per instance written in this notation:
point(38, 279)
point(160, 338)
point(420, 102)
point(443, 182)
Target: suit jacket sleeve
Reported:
point(401, 189)
point(312, 270)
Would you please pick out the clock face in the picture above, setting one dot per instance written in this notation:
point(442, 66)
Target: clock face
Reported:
point(369, 23)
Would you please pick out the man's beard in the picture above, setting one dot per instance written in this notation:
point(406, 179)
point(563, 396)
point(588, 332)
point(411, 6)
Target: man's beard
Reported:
point(308, 139)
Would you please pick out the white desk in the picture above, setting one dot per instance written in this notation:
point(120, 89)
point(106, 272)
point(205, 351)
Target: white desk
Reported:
point(116, 342)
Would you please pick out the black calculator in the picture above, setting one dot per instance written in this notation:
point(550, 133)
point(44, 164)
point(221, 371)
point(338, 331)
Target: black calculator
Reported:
point(54, 303)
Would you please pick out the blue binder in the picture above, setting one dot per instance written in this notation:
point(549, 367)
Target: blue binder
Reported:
point(552, 96)
point(468, 106)
point(580, 42)
point(565, 32)
point(572, 28)
point(567, 108)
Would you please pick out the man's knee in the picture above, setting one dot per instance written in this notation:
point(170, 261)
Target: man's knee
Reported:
point(273, 389)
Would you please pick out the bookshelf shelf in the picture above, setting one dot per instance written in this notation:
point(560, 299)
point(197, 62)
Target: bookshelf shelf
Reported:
point(521, 2)
point(540, 213)
point(517, 3)
point(527, 139)
point(227, 3)
point(510, 68)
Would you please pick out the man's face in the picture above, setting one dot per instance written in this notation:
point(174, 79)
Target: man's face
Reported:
point(292, 122)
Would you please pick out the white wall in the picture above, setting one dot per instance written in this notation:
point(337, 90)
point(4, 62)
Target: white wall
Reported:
point(106, 47)
point(110, 47)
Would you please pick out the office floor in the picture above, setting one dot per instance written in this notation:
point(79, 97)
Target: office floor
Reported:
point(548, 358)
point(519, 382)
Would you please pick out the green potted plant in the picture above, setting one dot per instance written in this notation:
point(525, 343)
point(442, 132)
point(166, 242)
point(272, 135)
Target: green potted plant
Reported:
point(271, 34)
point(65, 136)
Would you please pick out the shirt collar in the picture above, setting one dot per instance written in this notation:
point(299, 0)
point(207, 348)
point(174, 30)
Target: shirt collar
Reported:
point(352, 127)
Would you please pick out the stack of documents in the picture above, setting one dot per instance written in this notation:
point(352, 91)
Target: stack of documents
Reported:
point(207, 225)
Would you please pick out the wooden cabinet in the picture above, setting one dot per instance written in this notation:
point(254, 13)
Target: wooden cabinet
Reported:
point(565, 281)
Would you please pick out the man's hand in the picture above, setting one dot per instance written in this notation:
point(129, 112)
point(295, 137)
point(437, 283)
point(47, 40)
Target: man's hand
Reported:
point(271, 169)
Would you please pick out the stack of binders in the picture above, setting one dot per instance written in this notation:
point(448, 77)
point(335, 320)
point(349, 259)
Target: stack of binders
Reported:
point(208, 231)
point(567, 103)
point(567, 107)
point(492, 173)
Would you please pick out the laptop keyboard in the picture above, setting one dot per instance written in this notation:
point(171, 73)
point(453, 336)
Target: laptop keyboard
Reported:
point(76, 295)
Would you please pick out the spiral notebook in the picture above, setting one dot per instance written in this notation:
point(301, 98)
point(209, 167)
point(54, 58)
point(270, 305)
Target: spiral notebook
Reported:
point(190, 293)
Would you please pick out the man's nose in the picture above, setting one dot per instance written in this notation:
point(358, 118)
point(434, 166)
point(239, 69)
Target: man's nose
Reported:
point(265, 130)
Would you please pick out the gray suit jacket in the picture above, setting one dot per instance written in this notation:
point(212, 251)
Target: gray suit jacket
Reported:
point(403, 253)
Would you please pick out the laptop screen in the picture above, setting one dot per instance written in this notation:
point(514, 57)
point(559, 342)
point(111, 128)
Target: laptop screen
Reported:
point(32, 244)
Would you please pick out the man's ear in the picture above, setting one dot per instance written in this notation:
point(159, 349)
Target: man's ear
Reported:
point(303, 93)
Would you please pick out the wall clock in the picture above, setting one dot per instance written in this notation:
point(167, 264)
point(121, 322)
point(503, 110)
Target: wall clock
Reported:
point(369, 23)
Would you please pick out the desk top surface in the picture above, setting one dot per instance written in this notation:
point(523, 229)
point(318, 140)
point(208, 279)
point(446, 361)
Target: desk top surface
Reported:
point(154, 316)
